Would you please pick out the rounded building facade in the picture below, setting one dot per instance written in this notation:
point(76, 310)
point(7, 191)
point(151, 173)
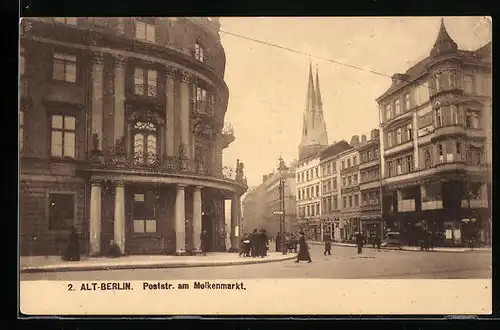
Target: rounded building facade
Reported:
point(121, 135)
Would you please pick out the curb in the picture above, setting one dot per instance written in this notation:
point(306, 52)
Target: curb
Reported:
point(49, 269)
point(461, 250)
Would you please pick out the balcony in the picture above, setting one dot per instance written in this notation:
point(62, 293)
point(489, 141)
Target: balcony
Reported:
point(474, 204)
point(432, 205)
point(406, 205)
point(164, 165)
point(146, 90)
point(447, 130)
point(395, 149)
point(227, 135)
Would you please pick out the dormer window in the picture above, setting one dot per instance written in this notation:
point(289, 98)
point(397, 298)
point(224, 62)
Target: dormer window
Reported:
point(144, 31)
point(199, 52)
point(66, 20)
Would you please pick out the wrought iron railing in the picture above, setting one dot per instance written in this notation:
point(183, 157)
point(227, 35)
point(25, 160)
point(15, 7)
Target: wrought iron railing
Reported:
point(149, 90)
point(203, 107)
point(228, 129)
point(162, 164)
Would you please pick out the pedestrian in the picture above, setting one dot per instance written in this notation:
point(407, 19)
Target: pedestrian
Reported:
point(72, 252)
point(254, 243)
point(204, 241)
point(278, 240)
point(113, 250)
point(328, 247)
point(304, 254)
point(359, 242)
point(265, 242)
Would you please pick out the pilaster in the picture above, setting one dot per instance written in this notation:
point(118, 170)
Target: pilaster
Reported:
point(185, 112)
point(119, 221)
point(169, 111)
point(119, 98)
point(180, 221)
point(197, 226)
point(97, 98)
point(95, 218)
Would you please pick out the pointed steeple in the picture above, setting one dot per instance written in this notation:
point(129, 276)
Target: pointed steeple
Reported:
point(444, 43)
point(314, 128)
point(318, 93)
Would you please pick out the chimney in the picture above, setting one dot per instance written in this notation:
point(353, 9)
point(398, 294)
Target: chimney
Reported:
point(363, 138)
point(375, 133)
point(355, 140)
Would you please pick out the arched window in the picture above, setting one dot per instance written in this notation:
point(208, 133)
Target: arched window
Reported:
point(145, 142)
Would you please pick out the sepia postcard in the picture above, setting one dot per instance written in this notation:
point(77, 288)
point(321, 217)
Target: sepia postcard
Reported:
point(239, 166)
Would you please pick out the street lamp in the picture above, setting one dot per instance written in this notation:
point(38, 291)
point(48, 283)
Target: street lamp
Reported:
point(281, 170)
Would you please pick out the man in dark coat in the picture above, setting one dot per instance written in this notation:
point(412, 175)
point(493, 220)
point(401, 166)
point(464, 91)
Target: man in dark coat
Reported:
point(328, 247)
point(303, 249)
point(264, 242)
point(72, 252)
point(359, 242)
point(254, 242)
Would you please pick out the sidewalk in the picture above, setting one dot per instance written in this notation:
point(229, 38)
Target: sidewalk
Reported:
point(38, 264)
point(408, 248)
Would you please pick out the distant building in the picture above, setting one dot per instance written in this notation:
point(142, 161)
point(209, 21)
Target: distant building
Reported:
point(253, 208)
point(435, 137)
point(333, 223)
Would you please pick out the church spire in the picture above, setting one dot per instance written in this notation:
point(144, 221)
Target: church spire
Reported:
point(444, 43)
point(314, 128)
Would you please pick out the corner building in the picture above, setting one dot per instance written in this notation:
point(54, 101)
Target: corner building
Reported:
point(121, 135)
point(436, 141)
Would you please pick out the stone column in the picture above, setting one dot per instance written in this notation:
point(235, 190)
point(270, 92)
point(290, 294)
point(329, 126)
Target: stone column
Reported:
point(97, 97)
point(235, 220)
point(185, 113)
point(180, 221)
point(119, 98)
point(197, 208)
point(169, 111)
point(95, 218)
point(119, 223)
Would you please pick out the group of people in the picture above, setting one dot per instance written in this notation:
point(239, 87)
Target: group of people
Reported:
point(255, 244)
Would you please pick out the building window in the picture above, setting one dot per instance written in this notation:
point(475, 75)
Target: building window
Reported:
point(145, 142)
point(440, 152)
point(408, 132)
point(145, 82)
point(203, 101)
point(355, 179)
point(317, 172)
point(144, 31)
point(399, 134)
point(390, 166)
point(354, 161)
point(61, 211)
point(334, 167)
point(437, 78)
point(21, 61)
point(343, 164)
point(454, 115)
point(388, 112)
point(343, 182)
point(317, 209)
point(350, 201)
point(64, 67)
point(63, 136)
point(66, 20)
point(399, 166)
point(397, 108)
point(472, 119)
point(307, 175)
point(144, 212)
point(348, 163)
point(349, 181)
point(356, 200)
point(317, 190)
point(199, 52)
point(389, 139)
point(468, 84)
point(344, 201)
point(334, 184)
point(328, 169)
point(409, 164)
point(439, 117)
point(458, 147)
point(298, 178)
point(21, 131)
point(407, 102)
point(427, 158)
point(302, 176)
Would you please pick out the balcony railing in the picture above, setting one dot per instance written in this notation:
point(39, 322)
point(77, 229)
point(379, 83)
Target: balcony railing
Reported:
point(406, 205)
point(203, 107)
point(163, 164)
point(474, 203)
point(146, 90)
point(228, 129)
point(432, 205)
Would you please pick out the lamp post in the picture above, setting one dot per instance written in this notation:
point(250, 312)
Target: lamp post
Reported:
point(281, 169)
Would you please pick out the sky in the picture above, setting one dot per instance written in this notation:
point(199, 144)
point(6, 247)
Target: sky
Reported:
point(268, 85)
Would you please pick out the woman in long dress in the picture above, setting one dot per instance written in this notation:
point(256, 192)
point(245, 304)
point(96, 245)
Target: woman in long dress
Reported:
point(303, 249)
